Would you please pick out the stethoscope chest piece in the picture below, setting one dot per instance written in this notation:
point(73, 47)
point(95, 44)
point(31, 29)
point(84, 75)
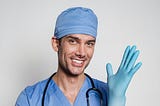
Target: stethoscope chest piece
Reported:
point(93, 88)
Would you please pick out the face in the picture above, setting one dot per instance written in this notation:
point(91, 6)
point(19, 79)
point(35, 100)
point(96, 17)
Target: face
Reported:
point(74, 53)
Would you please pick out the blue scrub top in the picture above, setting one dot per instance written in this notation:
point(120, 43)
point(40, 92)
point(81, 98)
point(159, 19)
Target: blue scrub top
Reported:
point(32, 95)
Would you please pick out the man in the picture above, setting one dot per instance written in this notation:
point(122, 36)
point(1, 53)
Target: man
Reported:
point(74, 41)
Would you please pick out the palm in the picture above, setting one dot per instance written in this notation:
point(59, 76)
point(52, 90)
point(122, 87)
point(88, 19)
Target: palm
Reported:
point(118, 83)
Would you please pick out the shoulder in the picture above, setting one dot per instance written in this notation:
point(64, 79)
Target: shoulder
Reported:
point(36, 88)
point(100, 84)
point(103, 87)
point(30, 92)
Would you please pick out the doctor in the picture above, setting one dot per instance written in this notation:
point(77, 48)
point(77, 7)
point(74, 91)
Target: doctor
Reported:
point(74, 41)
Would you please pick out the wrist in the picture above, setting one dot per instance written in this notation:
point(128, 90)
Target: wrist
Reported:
point(114, 100)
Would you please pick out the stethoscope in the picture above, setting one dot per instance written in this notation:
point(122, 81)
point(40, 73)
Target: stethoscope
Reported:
point(93, 88)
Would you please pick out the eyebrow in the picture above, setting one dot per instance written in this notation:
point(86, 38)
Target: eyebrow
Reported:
point(76, 38)
point(73, 37)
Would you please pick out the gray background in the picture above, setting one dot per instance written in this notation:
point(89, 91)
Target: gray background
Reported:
point(26, 55)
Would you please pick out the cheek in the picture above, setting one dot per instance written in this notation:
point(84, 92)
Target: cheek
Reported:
point(90, 52)
point(66, 51)
point(69, 50)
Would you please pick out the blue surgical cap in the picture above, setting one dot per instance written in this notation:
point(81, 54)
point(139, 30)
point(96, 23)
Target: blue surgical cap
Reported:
point(76, 20)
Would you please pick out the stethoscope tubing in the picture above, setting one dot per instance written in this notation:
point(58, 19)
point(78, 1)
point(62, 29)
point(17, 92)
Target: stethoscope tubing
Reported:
point(87, 92)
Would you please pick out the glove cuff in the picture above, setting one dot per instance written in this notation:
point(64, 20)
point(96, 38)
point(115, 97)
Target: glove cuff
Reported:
point(116, 101)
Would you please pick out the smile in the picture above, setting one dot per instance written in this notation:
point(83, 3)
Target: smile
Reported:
point(78, 61)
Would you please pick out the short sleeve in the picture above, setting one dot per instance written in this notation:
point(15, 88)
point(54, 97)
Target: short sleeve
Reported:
point(22, 99)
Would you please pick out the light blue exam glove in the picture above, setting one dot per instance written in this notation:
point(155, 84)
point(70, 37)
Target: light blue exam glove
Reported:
point(118, 83)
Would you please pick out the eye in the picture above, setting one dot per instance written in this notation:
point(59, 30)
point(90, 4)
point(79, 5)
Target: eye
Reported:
point(72, 41)
point(90, 44)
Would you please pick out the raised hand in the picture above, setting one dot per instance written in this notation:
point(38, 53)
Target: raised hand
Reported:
point(118, 83)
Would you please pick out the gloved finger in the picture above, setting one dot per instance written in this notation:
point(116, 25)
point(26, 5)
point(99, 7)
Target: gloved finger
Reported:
point(132, 60)
point(109, 70)
point(129, 56)
point(124, 57)
point(135, 69)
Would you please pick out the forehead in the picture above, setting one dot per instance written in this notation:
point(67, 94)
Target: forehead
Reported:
point(83, 37)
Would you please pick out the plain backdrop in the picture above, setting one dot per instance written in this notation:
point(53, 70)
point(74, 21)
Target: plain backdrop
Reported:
point(26, 54)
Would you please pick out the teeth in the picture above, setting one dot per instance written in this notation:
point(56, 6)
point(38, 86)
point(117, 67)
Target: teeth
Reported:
point(78, 61)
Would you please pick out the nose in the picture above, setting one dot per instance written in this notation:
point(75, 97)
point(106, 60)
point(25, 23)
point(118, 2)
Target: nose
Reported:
point(81, 51)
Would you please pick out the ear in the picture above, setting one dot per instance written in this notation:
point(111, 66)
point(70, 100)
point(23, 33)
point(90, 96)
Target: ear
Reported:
point(55, 43)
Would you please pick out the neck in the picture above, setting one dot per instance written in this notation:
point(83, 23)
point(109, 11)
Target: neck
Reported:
point(69, 85)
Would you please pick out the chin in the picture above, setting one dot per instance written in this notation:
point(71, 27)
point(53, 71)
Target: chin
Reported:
point(76, 72)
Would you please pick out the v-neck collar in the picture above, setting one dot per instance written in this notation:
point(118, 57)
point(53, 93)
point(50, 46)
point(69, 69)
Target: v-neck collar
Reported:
point(63, 99)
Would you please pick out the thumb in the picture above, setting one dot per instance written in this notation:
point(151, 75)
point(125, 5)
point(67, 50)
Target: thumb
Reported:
point(109, 70)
